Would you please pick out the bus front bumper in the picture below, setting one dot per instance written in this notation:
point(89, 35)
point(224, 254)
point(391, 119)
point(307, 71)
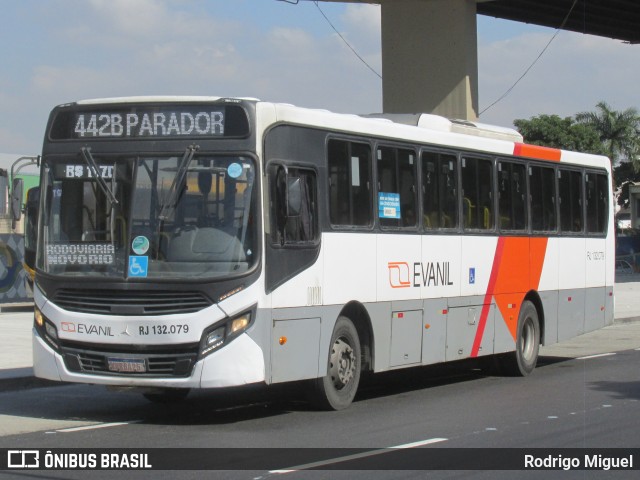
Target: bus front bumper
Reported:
point(241, 362)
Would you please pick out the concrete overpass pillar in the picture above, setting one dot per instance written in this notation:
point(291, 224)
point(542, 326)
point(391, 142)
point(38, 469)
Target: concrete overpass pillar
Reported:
point(429, 57)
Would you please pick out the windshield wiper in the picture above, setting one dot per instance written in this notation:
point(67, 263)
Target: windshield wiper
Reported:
point(177, 181)
point(93, 168)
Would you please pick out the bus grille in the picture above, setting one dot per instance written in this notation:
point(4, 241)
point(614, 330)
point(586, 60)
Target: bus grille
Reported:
point(155, 364)
point(123, 302)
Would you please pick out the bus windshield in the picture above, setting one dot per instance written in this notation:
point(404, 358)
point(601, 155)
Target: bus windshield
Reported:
point(154, 217)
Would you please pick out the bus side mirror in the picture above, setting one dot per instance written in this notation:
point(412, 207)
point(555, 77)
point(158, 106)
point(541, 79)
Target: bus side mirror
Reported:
point(31, 229)
point(16, 199)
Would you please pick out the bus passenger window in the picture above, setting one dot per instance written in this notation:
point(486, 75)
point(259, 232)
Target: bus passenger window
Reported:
point(439, 190)
point(597, 202)
point(512, 196)
point(543, 199)
point(349, 183)
point(397, 206)
point(477, 193)
point(570, 193)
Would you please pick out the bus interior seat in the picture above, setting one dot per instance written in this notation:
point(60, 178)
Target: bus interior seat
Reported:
point(468, 212)
point(445, 221)
point(487, 218)
point(193, 244)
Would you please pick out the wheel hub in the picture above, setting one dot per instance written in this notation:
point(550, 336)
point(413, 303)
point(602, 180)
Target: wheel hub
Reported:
point(343, 363)
point(528, 340)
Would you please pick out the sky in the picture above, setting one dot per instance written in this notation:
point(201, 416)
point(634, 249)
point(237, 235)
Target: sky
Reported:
point(59, 51)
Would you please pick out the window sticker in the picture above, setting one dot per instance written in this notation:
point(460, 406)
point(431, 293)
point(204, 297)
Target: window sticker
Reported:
point(140, 245)
point(234, 170)
point(388, 205)
point(355, 171)
point(138, 266)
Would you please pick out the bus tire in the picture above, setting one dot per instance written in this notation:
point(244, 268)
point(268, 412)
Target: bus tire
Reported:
point(338, 388)
point(523, 360)
point(167, 395)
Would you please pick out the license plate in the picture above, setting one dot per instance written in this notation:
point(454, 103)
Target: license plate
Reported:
point(126, 365)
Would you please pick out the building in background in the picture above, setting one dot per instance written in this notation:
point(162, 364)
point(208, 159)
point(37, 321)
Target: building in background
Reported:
point(13, 277)
point(634, 205)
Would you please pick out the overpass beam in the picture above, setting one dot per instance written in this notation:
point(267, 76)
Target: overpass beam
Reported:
point(429, 57)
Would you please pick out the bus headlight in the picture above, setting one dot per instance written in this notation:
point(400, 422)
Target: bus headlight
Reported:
point(52, 333)
point(240, 323)
point(47, 330)
point(213, 340)
point(222, 333)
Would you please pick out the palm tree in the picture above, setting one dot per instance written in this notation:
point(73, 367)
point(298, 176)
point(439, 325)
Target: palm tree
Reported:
point(619, 131)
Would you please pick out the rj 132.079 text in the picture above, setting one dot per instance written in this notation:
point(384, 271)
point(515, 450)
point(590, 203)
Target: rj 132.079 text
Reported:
point(163, 329)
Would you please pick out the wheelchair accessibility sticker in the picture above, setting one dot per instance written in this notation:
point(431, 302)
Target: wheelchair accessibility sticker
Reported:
point(138, 266)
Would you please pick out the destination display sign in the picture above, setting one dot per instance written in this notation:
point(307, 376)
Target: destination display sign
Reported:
point(80, 254)
point(83, 172)
point(163, 121)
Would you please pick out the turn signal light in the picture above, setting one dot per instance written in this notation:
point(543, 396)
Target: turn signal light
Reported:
point(39, 317)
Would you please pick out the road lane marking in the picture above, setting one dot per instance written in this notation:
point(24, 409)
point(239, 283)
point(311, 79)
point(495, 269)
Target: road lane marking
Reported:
point(96, 426)
point(588, 357)
point(356, 456)
point(420, 443)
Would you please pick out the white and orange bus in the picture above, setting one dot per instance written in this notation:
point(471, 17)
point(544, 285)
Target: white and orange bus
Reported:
point(190, 242)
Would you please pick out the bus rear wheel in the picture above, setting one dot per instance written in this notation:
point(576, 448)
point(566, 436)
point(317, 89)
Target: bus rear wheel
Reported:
point(523, 361)
point(338, 388)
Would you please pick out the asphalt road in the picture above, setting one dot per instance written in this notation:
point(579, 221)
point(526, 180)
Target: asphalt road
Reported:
point(591, 402)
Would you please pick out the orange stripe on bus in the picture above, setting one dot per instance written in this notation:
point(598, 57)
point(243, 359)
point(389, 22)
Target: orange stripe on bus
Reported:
point(536, 151)
point(482, 323)
point(517, 268)
point(519, 272)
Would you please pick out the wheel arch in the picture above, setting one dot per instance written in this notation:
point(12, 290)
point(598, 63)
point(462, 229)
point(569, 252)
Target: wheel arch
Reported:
point(357, 313)
point(534, 298)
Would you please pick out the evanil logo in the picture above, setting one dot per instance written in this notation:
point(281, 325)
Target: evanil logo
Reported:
point(419, 274)
point(399, 276)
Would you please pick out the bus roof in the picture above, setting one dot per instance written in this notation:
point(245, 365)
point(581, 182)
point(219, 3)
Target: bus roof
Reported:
point(418, 127)
point(435, 130)
point(155, 99)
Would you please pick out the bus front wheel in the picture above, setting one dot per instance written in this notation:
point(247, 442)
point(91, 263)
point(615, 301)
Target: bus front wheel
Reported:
point(523, 361)
point(338, 388)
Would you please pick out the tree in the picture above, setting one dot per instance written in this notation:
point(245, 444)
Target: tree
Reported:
point(565, 133)
point(618, 131)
